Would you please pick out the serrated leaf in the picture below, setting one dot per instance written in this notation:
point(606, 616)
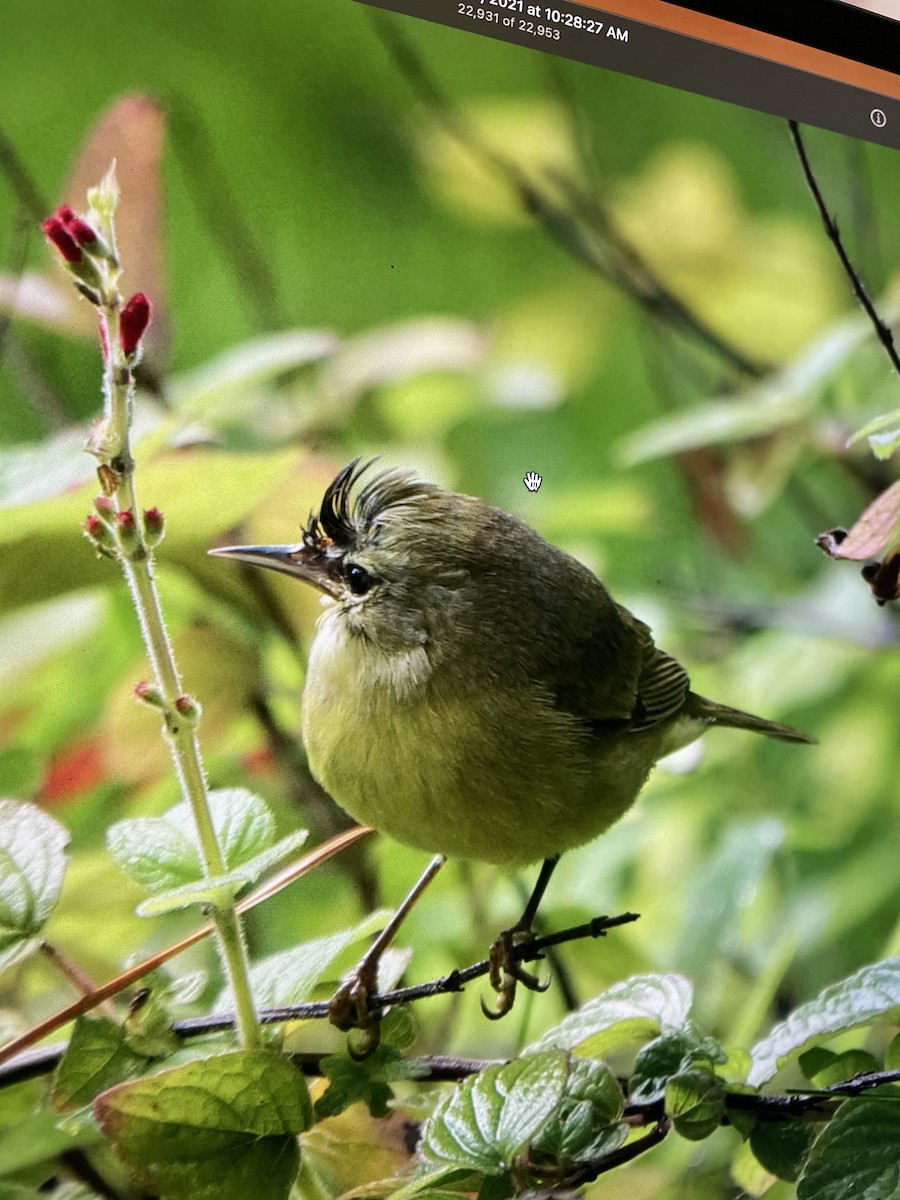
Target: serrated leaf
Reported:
point(290, 976)
point(695, 1100)
point(96, 1058)
point(223, 1128)
point(366, 1080)
point(586, 1122)
point(637, 1009)
point(872, 993)
point(490, 1117)
point(857, 1154)
point(656, 1063)
point(782, 1146)
point(163, 854)
point(32, 866)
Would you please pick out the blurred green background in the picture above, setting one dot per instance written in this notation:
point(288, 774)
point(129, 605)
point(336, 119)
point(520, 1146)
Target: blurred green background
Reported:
point(336, 272)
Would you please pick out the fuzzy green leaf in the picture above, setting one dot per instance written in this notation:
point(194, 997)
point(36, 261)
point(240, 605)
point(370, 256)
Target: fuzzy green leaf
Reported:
point(32, 866)
point(656, 1063)
point(214, 892)
point(586, 1123)
point(632, 1011)
point(872, 993)
point(857, 1154)
point(222, 1128)
point(365, 1080)
point(486, 1121)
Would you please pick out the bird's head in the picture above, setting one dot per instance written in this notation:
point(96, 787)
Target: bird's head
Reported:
point(393, 554)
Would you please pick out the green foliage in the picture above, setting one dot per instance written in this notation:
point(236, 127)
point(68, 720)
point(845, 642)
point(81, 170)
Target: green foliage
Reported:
point(856, 1154)
point(176, 1130)
point(32, 866)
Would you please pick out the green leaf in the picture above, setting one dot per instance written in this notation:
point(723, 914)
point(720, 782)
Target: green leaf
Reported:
point(782, 1146)
point(628, 1012)
point(147, 1026)
point(844, 1066)
point(872, 993)
point(883, 434)
point(892, 1054)
point(780, 400)
point(32, 866)
point(223, 1128)
point(37, 1139)
point(214, 892)
point(857, 1154)
point(586, 1124)
point(656, 1063)
point(43, 555)
point(163, 853)
point(366, 1081)
point(291, 976)
point(96, 1058)
point(695, 1100)
point(490, 1117)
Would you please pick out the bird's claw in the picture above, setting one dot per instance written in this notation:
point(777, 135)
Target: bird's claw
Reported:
point(349, 1009)
point(506, 972)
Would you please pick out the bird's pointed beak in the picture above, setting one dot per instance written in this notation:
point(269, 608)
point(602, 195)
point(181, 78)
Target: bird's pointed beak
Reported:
point(309, 563)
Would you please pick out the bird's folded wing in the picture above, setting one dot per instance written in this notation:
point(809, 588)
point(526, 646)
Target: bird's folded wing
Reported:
point(662, 686)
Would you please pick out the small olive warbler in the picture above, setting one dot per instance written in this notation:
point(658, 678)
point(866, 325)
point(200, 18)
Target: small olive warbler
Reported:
point(471, 689)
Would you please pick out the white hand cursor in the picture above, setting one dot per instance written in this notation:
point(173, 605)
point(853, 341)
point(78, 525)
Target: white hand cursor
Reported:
point(532, 481)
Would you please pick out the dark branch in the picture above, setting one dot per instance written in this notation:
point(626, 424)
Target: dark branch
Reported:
point(882, 331)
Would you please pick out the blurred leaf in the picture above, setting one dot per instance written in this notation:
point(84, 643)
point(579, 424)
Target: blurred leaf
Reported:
point(857, 1154)
point(214, 892)
point(32, 866)
point(34, 471)
point(840, 1067)
point(632, 1011)
point(221, 670)
point(489, 1118)
point(203, 494)
point(291, 976)
point(96, 1058)
point(596, 508)
point(872, 993)
point(882, 434)
point(37, 1138)
point(176, 1129)
point(782, 1146)
point(780, 401)
point(874, 531)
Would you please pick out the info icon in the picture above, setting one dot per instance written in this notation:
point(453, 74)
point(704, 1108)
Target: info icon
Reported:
point(878, 118)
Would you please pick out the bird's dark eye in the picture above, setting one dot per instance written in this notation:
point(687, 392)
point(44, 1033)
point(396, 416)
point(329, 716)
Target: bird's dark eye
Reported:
point(359, 580)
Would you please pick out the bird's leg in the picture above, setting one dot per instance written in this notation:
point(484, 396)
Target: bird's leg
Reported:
point(506, 972)
point(349, 1006)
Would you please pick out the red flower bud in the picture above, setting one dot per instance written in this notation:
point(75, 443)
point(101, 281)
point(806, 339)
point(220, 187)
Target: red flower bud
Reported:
point(125, 521)
point(148, 693)
point(154, 526)
point(66, 214)
point(57, 235)
point(81, 232)
point(133, 321)
point(93, 527)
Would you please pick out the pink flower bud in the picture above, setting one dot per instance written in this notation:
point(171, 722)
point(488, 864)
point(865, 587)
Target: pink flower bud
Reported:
point(154, 526)
point(148, 694)
point(187, 707)
point(93, 527)
point(106, 509)
point(57, 235)
point(66, 214)
point(133, 321)
point(127, 531)
point(125, 521)
point(99, 534)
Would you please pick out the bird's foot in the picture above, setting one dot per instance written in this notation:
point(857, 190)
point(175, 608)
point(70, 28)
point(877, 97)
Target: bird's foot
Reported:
point(507, 972)
point(348, 1008)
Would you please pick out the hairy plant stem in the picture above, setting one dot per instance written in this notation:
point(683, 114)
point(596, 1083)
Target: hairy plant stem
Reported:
point(136, 559)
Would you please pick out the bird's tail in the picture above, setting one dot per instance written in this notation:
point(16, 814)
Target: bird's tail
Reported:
point(733, 718)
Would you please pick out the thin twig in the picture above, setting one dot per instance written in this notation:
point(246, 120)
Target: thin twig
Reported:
point(882, 331)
